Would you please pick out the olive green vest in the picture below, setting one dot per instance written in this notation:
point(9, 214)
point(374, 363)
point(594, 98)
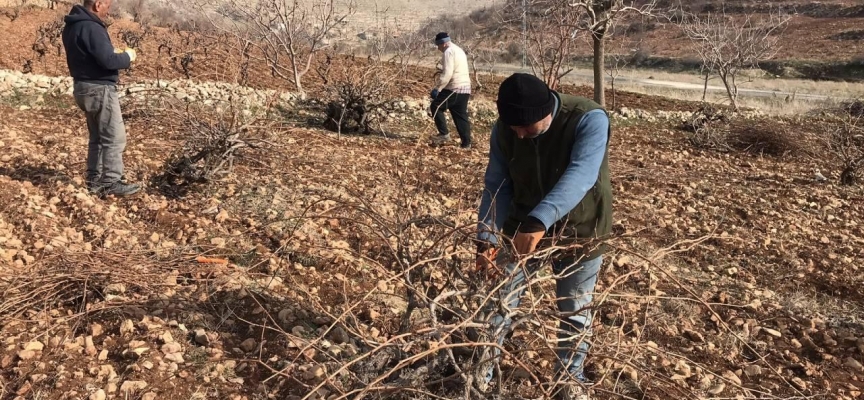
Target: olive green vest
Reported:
point(536, 165)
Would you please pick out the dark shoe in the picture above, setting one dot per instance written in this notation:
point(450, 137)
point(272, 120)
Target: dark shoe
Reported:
point(466, 146)
point(120, 189)
point(95, 188)
point(570, 387)
point(570, 391)
point(441, 139)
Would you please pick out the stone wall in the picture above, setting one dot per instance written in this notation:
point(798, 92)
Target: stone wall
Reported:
point(15, 83)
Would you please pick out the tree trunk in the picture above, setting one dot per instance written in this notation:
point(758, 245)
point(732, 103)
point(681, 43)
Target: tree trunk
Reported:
point(612, 83)
point(298, 83)
point(730, 91)
point(599, 56)
point(705, 89)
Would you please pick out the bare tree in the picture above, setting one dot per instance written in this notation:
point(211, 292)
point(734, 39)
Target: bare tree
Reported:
point(479, 56)
point(13, 11)
point(359, 88)
point(847, 142)
point(599, 18)
point(549, 37)
point(287, 33)
point(728, 44)
point(618, 60)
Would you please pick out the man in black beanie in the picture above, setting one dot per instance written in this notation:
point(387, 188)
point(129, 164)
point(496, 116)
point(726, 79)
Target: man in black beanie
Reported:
point(547, 184)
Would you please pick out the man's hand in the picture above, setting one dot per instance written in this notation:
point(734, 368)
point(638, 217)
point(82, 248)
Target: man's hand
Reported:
point(132, 54)
point(528, 236)
point(434, 93)
point(486, 256)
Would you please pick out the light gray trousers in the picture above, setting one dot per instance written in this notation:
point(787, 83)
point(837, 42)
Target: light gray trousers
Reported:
point(574, 287)
point(101, 106)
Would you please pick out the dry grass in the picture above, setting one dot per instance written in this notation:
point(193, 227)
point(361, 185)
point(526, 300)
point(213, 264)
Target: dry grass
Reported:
point(757, 80)
point(769, 105)
point(836, 92)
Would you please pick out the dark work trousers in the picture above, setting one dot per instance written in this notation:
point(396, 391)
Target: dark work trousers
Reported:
point(457, 103)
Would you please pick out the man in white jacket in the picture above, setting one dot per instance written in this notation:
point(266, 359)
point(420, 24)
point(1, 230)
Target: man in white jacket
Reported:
point(452, 91)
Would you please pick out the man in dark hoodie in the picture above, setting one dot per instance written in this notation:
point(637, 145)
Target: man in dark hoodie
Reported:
point(93, 63)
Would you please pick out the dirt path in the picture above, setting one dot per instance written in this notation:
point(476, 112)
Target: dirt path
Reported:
point(582, 76)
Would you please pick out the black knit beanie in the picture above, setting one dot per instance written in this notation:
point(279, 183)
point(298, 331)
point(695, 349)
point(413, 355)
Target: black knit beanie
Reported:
point(524, 99)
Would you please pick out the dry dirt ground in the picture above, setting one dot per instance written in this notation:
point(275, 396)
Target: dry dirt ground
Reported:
point(730, 275)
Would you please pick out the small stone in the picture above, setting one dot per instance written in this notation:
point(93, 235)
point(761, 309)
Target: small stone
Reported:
point(149, 396)
point(175, 357)
point(249, 345)
point(315, 373)
point(717, 389)
point(167, 338)
point(103, 355)
point(730, 376)
point(683, 369)
point(694, 336)
point(136, 349)
point(36, 378)
point(622, 261)
point(96, 330)
point(382, 285)
point(339, 335)
point(752, 370)
point(631, 373)
point(854, 364)
point(107, 370)
point(98, 395)
point(772, 332)
point(132, 386)
point(34, 345)
point(89, 347)
point(116, 288)
point(201, 337)
point(350, 350)
point(799, 383)
point(334, 351)
point(298, 330)
point(171, 348)
point(26, 355)
point(127, 327)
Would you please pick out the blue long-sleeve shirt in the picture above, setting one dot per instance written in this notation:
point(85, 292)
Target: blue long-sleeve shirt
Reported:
point(580, 176)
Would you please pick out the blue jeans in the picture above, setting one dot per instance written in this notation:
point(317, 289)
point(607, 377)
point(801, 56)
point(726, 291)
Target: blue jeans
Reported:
point(574, 286)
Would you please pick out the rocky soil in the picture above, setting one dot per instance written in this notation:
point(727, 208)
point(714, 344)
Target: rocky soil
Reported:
point(732, 274)
point(326, 266)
